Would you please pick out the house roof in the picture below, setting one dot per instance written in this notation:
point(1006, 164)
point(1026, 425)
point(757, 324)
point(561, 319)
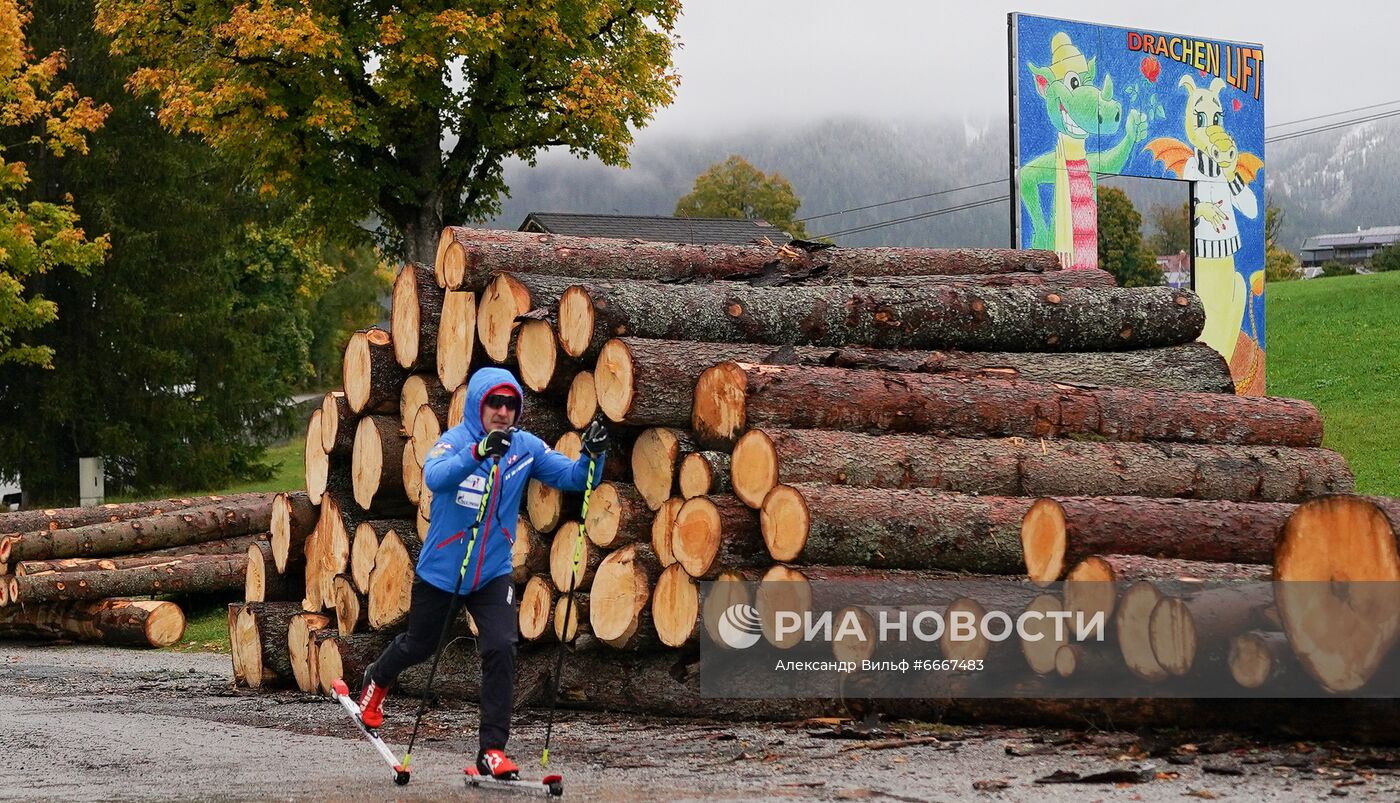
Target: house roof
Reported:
point(1379, 235)
point(655, 228)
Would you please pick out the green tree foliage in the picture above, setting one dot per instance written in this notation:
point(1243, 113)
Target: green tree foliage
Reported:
point(353, 301)
point(1337, 269)
point(1121, 250)
point(46, 120)
point(1281, 266)
point(347, 106)
point(736, 189)
point(1171, 229)
point(1387, 259)
point(175, 359)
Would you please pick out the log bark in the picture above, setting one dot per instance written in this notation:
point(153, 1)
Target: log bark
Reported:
point(23, 521)
point(537, 609)
point(1019, 467)
point(529, 554)
point(471, 256)
point(418, 390)
point(457, 348)
point(175, 528)
point(656, 459)
point(946, 317)
point(893, 529)
point(414, 311)
point(705, 474)
point(262, 640)
point(294, 516)
point(1059, 532)
point(198, 575)
point(300, 633)
point(111, 622)
point(262, 583)
point(337, 424)
point(377, 465)
point(581, 405)
point(620, 595)
point(1340, 558)
point(731, 397)
point(215, 549)
point(714, 533)
point(371, 375)
point(617, 515)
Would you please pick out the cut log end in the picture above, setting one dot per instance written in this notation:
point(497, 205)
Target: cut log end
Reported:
point(613, 379)
point(1043, 541)
point(537, 354)
point(696, 535)
point(367, 464)
point(1254, 658)
point(1040, 654)
point(620, 595)
point(1132, 622)
point(330, 419)
point(783, 590)
point(456, 338)
point(675, 606)
point(730, 588)
point(536, 608)
point(785, 521)
point(1172, 635)
point(576, 320)
point(655, 459)
point(503, 301)
point(661, 530)
point(569, 611)
point(165, 622)
point(404, 314)
point(561, 559)
point(1090, 588)
point(703, 474)
point(316, 464)
point(358, 367)
point(255, 576)
point(754, 468)
point(719, 414)
point(582, 403)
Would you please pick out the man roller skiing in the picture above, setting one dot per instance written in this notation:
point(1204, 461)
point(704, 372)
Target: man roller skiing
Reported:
point(458, 472)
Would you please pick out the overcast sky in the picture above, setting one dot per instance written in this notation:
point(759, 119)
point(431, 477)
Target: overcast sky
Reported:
point(747, 63)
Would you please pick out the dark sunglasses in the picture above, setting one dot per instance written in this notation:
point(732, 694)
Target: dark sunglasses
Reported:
point(505, 400)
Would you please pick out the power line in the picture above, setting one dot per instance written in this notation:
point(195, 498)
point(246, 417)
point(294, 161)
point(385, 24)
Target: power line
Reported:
point(1332, 114)
point(919, 216)
point(901, 200)
point(1332, 126)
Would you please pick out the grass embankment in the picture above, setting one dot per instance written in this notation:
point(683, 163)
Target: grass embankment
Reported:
point(1336, 343)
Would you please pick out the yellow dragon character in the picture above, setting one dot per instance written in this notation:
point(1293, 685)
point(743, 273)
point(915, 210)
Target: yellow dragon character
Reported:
point(1221, 175)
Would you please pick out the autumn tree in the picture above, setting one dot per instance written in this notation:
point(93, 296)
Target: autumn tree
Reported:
point(1121, 250)
point(36, 236)
point(1171, 226)
point(736, 189)
point(402, 112)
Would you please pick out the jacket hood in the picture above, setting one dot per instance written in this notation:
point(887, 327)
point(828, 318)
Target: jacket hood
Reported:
point(484, 381)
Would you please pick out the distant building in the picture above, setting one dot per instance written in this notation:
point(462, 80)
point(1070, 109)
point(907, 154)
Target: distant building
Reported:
point(1351, 248)
point(655, 228)
point(1176, 269)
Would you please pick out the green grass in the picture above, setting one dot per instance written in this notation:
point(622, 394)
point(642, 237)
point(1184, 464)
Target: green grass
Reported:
point(1336, 343)
point(286, 461)
point(206, 622)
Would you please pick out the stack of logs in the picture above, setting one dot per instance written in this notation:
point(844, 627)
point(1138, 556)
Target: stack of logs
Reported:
point(72, 573)
point(794, 414)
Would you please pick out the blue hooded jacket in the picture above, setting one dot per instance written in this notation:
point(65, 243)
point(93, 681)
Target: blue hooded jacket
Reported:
point(459, 483)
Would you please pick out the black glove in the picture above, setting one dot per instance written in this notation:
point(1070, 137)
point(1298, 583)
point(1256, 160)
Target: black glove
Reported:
point(495, 444)
point(595, 439)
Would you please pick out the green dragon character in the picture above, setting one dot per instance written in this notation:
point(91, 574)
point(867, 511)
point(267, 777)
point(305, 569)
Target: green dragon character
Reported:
point(1077, 109)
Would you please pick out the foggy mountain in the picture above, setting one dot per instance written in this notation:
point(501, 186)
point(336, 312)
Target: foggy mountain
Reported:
point(1328, 182)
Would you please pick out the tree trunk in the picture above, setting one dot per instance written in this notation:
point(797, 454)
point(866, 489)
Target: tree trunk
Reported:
point(67, 518)
point(262, 583)
point(203, 575)
point(293, 518)
point(188, 526)
point(714, 533)
point(617, 515)
point(315, 463)
point(111, 622)
point(675, 607)
point(341, 657)
point(371, 375)
point(337, 424)
point(582, 403)
point(419, 390)
point(705, 474)
point(413, 314)
point(1060, 532)
point(221, 548)
point(471, 256)
point(457, 347)
point(377, 464)
point(891, 529)
point(300, 633)
point(620, 595)
point(656, 459)
point(1340, 623)
point(328, 550)
point(1090, 277)
point(1016, 467)
point(1085, 661)
point(262, 640)
point(731, 397)
point(947, 317)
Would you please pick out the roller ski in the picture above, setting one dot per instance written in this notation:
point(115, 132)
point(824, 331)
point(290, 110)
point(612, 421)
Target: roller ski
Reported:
point(494, 768)
point(369, 727)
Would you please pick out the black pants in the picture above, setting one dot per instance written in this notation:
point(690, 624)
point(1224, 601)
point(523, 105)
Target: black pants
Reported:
point(492, 607)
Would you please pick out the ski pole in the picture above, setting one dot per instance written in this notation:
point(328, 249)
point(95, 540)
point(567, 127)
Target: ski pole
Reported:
point(568, 610)
point(452, 610)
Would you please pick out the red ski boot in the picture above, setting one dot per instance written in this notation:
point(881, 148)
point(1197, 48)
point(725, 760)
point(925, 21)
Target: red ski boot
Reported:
point(372, 702)
point(496, 764)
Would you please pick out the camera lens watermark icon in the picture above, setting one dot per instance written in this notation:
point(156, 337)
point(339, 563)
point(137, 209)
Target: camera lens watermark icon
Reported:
point(739, 626)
